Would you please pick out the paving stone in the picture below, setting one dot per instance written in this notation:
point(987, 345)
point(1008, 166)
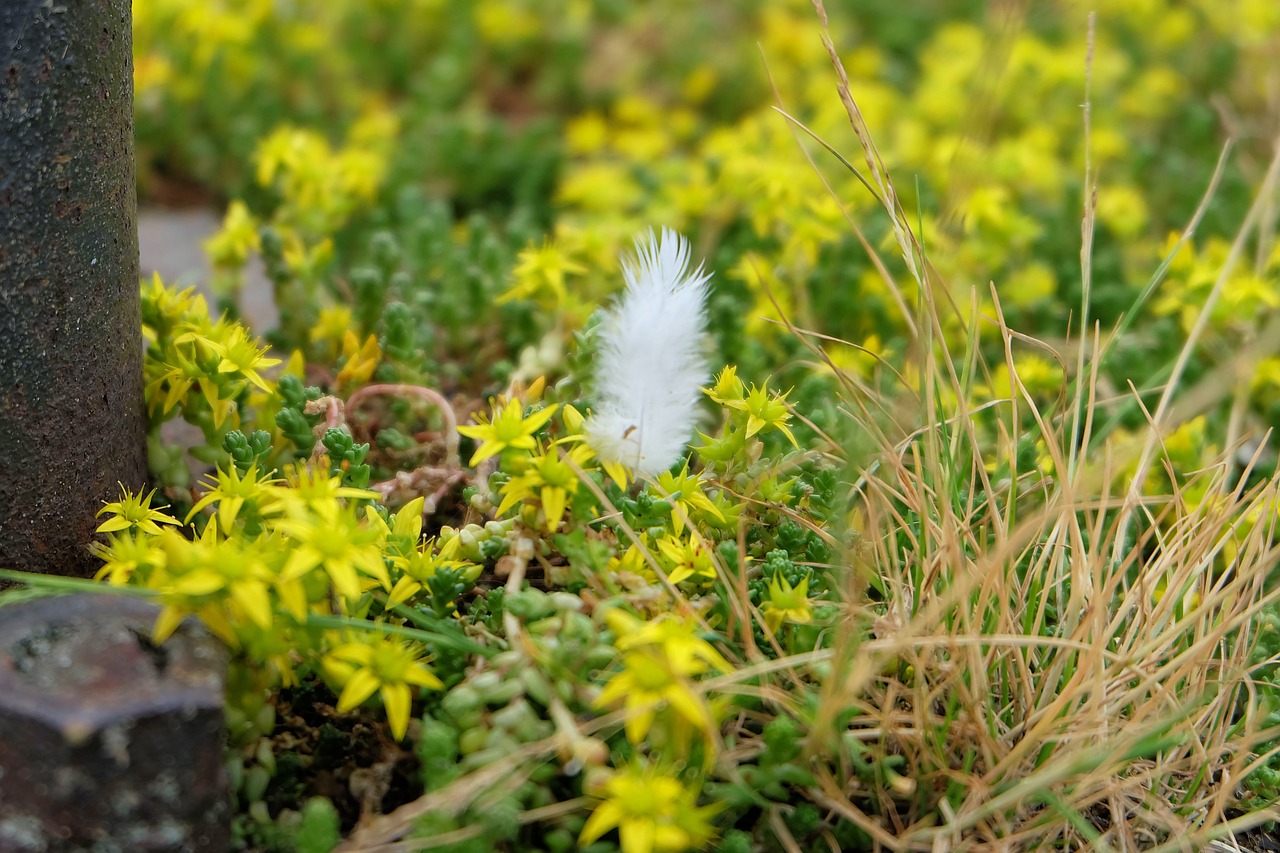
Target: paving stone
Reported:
point(171, 242)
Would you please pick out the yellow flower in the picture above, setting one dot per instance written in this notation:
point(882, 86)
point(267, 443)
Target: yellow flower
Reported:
point(728, 390)
point(134, 512)
point(1042, 378)
point(550, 479)
point(600, 186)
point(419, 567)
point(320, 187)
point(507, 428)
point(413, 561)
point(700, 84)
point(360, 360)
point(686, 558)
point(359, 173)
point(677, 637)
point(574, 425)
point(129, 556)
point(225, 581)
point(339, 545)
point(310, 489)
point(1187, 448)
point(152, 73)
point(232, 491)
point(631, 562)
point(652, 812)
point(647, 683)
point(164, 309)
point(659, 660)
point(181, 378)
point(1265, 383)
point(241, 354)
point(540, 272)
point(1123, 210)
point(787, 603)
point(587, 133)
point(401, 537)
point(230, 247)
point(288, 150)
point(854, 359)
point(685, 489)
point(331, 327)
point(376, 129)
point(766, 410)
point(306, 261)
point(1030, 285)
point(505, 24)
point(761, 278)
point(386, 665)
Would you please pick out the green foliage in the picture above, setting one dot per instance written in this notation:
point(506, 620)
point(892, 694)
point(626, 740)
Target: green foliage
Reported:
point(248, 451)
point(346, 457)
point(319, 832)
point(291, 420)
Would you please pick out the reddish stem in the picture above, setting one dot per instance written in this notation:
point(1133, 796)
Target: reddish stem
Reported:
point(433, 397)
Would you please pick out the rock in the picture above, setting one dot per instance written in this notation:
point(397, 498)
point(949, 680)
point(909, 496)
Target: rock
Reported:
point(108, 742)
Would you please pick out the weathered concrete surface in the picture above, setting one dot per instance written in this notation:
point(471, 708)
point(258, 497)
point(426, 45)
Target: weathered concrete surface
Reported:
point(107, 742)
point(71, 409)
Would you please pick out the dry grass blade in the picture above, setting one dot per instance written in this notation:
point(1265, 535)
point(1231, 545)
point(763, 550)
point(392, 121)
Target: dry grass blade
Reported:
point(1056, 661)
point(1261, 203)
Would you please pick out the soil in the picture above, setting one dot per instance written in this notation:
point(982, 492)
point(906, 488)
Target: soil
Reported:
point(348, 758)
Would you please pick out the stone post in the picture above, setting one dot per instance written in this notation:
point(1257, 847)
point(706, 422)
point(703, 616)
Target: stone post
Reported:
point(71, 408)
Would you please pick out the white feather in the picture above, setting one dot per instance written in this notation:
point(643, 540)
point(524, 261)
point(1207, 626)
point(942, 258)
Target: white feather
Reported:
point(650, 364)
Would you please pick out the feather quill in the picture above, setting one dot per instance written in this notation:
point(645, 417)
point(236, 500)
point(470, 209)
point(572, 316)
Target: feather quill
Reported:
point(650, 363)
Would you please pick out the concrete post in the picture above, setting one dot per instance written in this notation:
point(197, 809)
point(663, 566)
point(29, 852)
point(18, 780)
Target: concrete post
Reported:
point(71, 408)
